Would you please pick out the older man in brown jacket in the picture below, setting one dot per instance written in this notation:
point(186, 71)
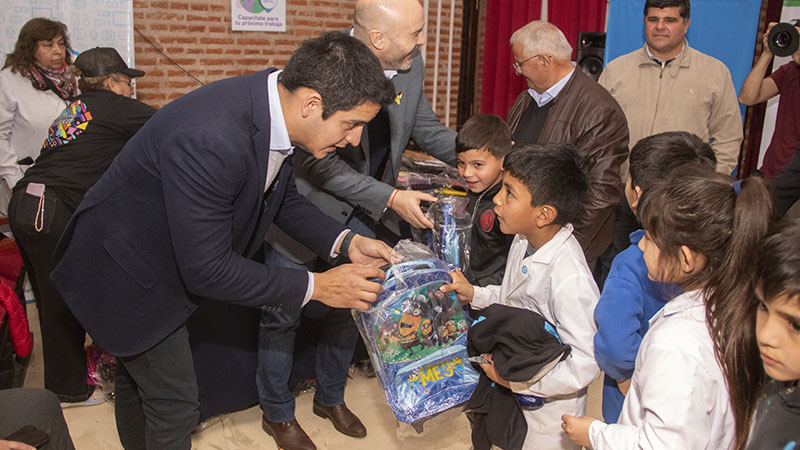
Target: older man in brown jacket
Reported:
point(562, 105)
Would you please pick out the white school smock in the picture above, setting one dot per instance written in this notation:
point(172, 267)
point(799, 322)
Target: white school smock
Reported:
point(678, 398)
point(555, 282)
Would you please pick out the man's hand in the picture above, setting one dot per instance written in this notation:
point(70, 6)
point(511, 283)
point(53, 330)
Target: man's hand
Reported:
point(346, 286)
point(370, 252)
point(13, 445)
point(577, 428)
point(406, 204)
point(464, 290)
point(765, 42)
point(491, 372)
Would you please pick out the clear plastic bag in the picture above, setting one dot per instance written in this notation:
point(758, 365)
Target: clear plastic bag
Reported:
point(452, 231)
point(416, 337)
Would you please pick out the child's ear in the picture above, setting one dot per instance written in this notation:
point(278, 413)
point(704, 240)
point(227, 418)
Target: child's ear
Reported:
point(547, 214)
point(691, 261)
point(637, 195)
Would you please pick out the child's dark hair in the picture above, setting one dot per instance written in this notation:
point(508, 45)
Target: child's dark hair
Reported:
point(777, 272)
point(700, 209)
point(554, 174)
point(654, 157)
point(485, 131)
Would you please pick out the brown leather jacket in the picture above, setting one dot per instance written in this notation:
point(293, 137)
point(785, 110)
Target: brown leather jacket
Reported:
point(585, 115)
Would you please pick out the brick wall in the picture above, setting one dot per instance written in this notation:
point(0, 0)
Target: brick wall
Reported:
point(197, 35)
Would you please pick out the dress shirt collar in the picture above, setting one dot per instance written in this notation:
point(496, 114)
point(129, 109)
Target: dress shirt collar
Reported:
point(553, 247)
point(548, 95)
point(684, 302)
point(278, 134)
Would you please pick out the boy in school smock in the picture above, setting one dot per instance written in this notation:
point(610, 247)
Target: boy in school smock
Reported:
point(546, 272)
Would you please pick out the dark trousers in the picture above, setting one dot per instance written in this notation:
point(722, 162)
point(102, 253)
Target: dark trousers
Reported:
point(37, 407)
point(786, 185)
point(156, 396)
point(276, 343)
point(62, 335)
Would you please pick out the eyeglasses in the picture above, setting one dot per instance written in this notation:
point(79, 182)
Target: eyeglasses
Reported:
point(129, 82)
point(517, 65)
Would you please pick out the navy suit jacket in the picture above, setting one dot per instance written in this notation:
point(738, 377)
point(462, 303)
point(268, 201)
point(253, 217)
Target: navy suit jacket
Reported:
point(177, 215)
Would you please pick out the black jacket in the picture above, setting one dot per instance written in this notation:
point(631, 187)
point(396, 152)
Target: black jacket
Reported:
point(521, 347)
point(488, 245)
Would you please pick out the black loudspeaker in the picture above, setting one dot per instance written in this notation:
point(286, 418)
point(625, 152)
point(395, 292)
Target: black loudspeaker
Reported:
point(591, 49)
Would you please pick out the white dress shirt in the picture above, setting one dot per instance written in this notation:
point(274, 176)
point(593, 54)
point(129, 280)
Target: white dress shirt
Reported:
point(280, 147)
point(548, 95)
point(678, 398)
point(555, 282)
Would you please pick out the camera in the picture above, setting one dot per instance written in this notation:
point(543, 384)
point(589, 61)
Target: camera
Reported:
point(783, 39)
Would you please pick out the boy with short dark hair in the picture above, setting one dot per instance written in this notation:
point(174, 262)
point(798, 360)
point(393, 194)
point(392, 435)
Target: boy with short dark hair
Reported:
point(629, 297)
point(541, 195)
point(481, 145)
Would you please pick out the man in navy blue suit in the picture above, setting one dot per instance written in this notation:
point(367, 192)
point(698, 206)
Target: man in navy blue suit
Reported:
point(185, 204)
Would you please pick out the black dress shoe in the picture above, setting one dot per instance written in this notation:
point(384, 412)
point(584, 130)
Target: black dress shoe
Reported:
point(288, 435)
point(343, 419)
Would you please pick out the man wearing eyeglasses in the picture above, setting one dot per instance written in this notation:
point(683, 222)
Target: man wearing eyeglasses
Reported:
point(563, 105)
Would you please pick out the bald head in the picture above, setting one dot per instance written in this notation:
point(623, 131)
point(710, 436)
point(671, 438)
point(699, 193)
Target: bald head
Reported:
point(392, 29)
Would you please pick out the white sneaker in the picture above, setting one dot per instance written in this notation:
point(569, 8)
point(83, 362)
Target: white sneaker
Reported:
point(96, 398)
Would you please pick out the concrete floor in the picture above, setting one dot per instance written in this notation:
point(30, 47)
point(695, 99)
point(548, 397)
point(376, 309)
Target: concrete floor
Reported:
point(93, 427)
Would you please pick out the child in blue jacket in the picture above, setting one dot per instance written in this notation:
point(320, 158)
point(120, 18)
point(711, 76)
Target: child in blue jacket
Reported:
point(629, 298)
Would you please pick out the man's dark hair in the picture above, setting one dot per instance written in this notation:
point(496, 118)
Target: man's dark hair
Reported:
point(554, 174)
point(683, 4)
point(654, 157)
point(341, 69)
point(485, 131)
point(35, 30)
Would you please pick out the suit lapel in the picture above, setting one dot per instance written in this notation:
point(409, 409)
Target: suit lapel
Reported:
point(262, 121)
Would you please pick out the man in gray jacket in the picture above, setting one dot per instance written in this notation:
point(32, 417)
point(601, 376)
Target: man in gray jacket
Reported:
point(355, 188)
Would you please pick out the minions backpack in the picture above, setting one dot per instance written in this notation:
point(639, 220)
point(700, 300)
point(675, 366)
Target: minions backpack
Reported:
point(416, 336)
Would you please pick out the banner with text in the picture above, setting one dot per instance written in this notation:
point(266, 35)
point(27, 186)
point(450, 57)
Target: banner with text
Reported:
point(258, 15)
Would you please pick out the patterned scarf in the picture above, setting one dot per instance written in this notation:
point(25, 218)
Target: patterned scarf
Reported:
point(60, 81)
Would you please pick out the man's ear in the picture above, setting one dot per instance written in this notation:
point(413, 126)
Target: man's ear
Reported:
point(377, 39)
point(637, 195)
point(690, 261)
point(547, 214)
point(312, 101)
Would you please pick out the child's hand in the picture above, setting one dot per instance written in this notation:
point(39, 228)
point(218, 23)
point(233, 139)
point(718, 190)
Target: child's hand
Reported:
point(491, 372)
point(464, 290)
point(624, 385)
point(577, 428)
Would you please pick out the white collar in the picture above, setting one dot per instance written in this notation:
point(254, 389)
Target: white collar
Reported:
point(278, 134)
point(548, 95)
point(551, 248)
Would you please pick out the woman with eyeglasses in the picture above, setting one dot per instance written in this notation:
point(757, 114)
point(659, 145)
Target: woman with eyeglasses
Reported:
point(79, 146)
point(35, 85)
